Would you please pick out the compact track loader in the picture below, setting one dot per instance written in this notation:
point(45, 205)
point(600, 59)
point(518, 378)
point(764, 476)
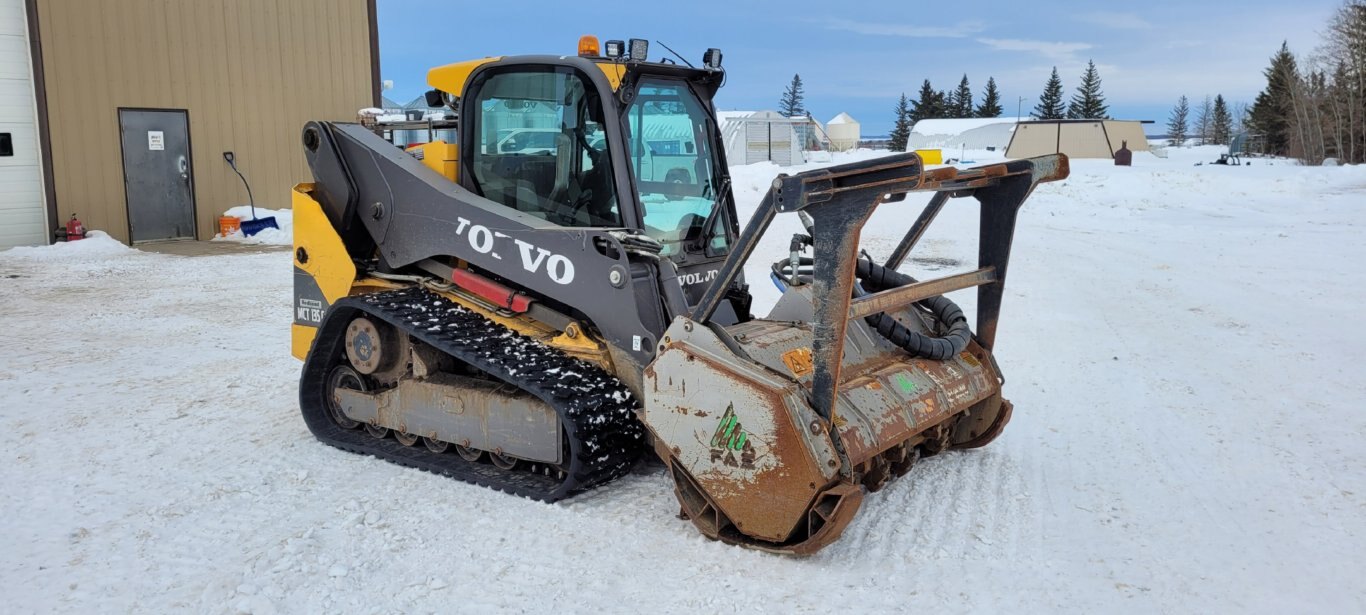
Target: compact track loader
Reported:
point(535, 306)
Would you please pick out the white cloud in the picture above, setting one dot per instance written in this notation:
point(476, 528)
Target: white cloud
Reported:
point(958, 30)
point(1114, 21)
point(1059, 51)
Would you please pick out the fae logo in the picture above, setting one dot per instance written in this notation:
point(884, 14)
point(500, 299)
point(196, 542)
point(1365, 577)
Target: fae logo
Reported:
point(730, 438)
point(484, 240)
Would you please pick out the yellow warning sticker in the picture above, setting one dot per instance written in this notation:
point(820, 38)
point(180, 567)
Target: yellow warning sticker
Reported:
point(799, 361)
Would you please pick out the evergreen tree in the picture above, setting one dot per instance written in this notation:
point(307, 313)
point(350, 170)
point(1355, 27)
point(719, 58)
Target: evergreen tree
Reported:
point(1221, 123)
point(791, 103)
point(1088, 103)
point(928, 104)
point(1050, 103)
point(1178, 123)
point(991, 101)
point(1273, 109)
point(944, 103)
point(901, 129)
point(962, 99)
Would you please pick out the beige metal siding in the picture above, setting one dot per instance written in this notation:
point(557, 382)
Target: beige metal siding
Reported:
point(250, 73)
point(1083, 140)
point(1033, 140)
point(1121, 131)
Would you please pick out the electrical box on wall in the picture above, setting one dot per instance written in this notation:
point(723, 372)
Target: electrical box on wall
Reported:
point(6, 144)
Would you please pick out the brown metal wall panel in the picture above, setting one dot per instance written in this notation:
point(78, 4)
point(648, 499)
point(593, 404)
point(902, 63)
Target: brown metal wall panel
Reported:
point(250, 73)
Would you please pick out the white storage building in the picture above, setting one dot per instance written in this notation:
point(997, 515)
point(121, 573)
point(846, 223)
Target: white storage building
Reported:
point(23, 206)
point(843, 131)
point(991, 134)
point(757, 136)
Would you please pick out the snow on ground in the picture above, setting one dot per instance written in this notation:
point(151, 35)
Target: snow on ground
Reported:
point(97, 245)
point(1183, 346)
point(283, 236)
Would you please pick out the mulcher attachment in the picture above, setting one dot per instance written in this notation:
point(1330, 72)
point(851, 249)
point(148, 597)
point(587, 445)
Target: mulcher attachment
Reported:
point(773, 429)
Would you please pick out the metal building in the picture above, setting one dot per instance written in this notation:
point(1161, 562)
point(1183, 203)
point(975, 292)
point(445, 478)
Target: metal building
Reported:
point(23, 218)
point(844, 132)
point(757, 136)
point(1076, 138)
point(135, 102)
point(989, 134)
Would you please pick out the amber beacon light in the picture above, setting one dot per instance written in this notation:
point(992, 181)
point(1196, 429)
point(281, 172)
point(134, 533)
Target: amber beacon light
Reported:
point(588, 45)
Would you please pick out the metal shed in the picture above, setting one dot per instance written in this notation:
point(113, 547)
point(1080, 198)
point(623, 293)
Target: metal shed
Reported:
point(758, 136)
point(1076, 138)
point(966, 133)
point(137, 100)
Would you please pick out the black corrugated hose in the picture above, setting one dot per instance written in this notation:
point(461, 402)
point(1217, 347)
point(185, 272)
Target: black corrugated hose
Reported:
point(875, 277)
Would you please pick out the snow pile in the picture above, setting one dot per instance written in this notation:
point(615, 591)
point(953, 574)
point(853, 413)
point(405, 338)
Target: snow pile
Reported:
point(282, 236)
point(96, 245)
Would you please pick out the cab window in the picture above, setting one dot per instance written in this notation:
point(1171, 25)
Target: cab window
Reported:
point(539, 148)
point(675, 169)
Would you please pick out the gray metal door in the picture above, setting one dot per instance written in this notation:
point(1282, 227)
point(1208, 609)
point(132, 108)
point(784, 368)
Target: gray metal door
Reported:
point(157, 174)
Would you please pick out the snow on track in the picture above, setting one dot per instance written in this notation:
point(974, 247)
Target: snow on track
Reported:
point(1183, 346)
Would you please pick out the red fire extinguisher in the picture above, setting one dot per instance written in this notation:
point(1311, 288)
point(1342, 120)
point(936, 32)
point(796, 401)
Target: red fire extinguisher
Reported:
point(74, 229)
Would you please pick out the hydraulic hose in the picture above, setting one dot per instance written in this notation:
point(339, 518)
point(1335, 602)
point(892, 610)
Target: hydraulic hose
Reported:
point(875, 277)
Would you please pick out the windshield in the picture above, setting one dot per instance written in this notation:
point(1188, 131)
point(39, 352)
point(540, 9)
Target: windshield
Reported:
point(673, 163)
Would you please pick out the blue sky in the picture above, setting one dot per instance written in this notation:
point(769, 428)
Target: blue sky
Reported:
point(858, 57)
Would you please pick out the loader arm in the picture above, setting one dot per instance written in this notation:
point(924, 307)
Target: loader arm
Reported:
point(840, 200)
point(384, 200)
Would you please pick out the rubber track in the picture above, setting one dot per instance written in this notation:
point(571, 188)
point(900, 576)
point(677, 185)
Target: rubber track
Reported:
point(597, 411)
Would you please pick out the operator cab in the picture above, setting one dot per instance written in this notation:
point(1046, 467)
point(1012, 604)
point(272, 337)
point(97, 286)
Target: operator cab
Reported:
point(541, 134)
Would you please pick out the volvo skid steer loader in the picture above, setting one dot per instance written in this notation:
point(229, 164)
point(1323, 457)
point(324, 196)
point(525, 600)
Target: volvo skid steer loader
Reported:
point(534, 306)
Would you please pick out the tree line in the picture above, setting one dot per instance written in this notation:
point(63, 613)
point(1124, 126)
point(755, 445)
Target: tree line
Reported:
point(1311, 113)
point(1213, 122)
point(932, 104)
point(1087, 103)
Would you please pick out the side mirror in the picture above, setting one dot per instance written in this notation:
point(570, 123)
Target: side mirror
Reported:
point(434, 98)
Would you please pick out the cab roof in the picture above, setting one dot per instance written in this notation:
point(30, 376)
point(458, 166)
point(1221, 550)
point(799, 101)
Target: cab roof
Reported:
point(452, 78)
